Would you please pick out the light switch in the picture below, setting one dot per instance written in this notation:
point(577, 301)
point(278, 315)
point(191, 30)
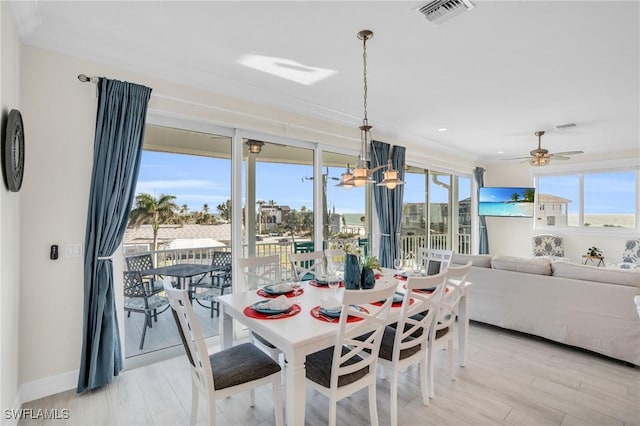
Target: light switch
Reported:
point(73, 250)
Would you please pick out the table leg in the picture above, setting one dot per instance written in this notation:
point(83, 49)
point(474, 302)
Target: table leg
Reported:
point(296, 384)
point(463, 328)
point(226, 329)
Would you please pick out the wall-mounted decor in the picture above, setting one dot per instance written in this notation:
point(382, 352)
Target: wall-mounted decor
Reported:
point(13, 151)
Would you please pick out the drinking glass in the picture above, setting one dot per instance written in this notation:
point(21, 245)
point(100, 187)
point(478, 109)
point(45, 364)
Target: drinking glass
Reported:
point(297, 288)
point(332, 279)
point(397, 264)
point(415, 266)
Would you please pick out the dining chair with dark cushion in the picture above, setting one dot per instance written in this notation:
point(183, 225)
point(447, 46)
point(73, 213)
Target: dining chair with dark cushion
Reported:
point(224, 373)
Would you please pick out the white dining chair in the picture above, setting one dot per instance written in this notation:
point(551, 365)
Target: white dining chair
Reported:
point(339, 373)
point(307, 266)
point(637, 300)
point(221, 374)
point(434, 261)
point(442, 331)
point(256, 272)
point(406, 344)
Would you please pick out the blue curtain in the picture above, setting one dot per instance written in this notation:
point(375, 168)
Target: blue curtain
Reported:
point(122, 110)
point(484, 239)
point(388, 202)
point(397, 197)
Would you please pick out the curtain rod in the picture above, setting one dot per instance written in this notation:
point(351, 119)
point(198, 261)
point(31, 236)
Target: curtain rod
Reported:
point(84, 79)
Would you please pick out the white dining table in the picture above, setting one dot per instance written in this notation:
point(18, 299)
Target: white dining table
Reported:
point(300, 335)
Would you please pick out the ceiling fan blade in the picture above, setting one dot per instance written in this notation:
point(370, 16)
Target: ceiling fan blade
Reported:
point(560, 157)
point(517, 158)
point(567, 153)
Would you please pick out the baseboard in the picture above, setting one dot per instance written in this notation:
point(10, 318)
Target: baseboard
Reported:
point(51, 385)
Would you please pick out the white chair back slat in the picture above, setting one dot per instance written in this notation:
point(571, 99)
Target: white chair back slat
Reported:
point(257, 272)
point(307, 266)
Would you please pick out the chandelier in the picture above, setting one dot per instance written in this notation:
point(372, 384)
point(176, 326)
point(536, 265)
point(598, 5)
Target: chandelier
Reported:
point(361, 173)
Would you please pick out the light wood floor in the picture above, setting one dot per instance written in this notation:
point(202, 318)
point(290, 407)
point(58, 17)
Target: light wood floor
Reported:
point(509, 379)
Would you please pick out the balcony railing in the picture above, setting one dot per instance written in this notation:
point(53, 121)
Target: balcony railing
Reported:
point(409, 245)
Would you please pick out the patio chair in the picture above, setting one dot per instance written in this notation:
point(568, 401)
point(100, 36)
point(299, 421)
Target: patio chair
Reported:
point(137, 298)
point(401, 349)
point(547, 245)
point(143, 262)
point(221, 374)
point(340, 373)
point(256, 272)
point(213, 284)
point(307, 266)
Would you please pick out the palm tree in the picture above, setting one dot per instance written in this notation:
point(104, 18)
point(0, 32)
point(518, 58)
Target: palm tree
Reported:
point(149, 210)
point(260, 203)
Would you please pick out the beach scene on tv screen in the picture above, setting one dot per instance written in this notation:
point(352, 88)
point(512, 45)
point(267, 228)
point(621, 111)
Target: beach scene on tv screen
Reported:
point(517, 202)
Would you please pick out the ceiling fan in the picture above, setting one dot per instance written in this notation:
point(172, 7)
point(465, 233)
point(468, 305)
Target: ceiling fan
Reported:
point(541, 156)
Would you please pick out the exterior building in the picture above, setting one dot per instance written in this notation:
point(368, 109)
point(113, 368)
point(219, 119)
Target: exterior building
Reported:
point(552, 210)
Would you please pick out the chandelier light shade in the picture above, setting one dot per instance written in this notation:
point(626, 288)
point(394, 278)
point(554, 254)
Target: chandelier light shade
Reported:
point(361, 173)
point(346, 180)
point(255, 147)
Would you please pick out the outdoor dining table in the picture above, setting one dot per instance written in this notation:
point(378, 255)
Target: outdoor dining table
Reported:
point(182, 271)
point(302, 334)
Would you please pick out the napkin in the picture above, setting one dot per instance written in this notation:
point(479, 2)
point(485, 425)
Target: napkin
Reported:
point(330, 304)
point(280, 288)
point(279, 303)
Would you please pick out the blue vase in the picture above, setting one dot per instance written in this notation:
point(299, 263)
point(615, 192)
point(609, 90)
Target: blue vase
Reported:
point(367, 279)
point(351, 272)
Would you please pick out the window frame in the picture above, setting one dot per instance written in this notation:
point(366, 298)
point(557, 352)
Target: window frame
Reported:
point(580, 170)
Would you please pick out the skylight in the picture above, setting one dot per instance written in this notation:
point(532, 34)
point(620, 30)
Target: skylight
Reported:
point(286, 68)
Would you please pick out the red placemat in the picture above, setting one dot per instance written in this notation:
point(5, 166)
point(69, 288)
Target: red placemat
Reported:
point(418, 290)
point(291, 293)
point(315, 284)
point(399, 277)
point(315, 312)
point(378, 276)
point(395, 304)
point(252, 313)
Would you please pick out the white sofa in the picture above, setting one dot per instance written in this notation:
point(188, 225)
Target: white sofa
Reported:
point(584, 306)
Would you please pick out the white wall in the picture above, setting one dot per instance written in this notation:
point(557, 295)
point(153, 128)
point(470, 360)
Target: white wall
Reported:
point(9, 223)
point(512, 236)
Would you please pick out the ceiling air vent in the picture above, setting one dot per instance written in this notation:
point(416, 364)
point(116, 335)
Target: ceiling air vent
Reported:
point(566, 126)
point(439, 11)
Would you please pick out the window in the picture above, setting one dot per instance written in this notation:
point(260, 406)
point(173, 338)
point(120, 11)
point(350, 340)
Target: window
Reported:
point(588, 200)
point(437, 205)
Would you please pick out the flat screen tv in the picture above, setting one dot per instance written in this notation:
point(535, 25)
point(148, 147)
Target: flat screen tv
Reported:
point(506, 201)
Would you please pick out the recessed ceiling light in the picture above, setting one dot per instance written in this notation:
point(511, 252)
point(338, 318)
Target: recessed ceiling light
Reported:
point(500, 152)
point(286, 68)
point(442, 129)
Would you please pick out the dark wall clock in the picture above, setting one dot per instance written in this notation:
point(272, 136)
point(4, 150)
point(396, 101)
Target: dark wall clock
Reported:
point(13, 151)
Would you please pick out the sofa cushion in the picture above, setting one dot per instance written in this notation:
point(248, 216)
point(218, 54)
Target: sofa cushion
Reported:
point(540, 266)
point(480, 260)
point(593, 273)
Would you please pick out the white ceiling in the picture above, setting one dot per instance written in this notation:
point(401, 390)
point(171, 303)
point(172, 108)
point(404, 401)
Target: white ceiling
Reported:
point(492, 76)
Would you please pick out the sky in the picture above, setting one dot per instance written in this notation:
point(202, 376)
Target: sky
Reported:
point(198, 180)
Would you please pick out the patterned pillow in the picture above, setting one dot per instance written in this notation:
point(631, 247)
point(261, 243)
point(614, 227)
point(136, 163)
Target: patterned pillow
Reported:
point(548, 245)
point(631, 253)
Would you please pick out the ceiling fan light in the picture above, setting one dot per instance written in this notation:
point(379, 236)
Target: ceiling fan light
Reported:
point(539, 161)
